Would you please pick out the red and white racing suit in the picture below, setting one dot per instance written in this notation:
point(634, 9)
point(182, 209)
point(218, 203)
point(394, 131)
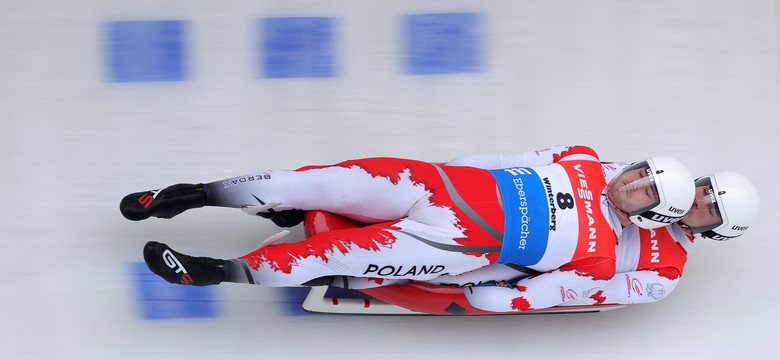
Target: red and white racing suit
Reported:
point(428, 220)
point(649, 262)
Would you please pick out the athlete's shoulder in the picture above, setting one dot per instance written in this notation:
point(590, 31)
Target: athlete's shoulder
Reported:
point(575, 152)
point(664, 250)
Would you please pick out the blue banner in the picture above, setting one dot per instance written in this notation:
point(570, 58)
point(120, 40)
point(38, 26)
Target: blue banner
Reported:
point(526, 216)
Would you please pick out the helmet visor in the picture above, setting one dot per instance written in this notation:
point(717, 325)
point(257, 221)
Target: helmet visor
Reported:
point(634, 190)
point(705, 214)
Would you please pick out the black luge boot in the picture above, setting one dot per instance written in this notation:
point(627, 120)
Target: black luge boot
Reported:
point(165, 203)
point(178, 268)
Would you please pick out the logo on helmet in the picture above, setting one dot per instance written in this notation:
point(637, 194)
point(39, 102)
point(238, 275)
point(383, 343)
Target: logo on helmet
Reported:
point(712, 196)
point(664, 219)
point(676, 210)
point(739, 228)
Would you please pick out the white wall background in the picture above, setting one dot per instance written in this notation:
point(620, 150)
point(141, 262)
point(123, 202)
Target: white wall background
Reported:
point(696, 79)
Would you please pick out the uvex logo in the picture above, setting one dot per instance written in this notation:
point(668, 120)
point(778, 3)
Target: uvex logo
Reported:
point(146, 199)
point(664, 219)
point(174, 264)
point(676, 210)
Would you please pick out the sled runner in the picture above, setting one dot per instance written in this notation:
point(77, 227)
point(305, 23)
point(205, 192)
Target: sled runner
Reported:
point(409, 299)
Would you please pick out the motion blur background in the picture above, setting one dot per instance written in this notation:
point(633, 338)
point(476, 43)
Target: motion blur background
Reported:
point(102, 98)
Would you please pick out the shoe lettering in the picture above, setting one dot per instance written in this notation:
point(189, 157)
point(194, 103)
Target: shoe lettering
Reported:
point(147, 199)
point(174, 263)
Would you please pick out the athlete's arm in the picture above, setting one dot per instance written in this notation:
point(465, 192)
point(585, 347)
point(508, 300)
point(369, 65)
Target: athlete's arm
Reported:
point(637, 287)
point(538, 292)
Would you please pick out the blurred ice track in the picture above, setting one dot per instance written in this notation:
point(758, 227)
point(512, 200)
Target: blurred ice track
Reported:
point(214, 94)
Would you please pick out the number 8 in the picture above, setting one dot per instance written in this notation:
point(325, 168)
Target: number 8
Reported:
point(565, 201)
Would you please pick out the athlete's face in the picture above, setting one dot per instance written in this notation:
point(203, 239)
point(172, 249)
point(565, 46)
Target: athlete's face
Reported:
point(633, 190)
point(703, 212)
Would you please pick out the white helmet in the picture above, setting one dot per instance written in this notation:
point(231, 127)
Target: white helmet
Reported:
point(669, 188)
point(737, 201)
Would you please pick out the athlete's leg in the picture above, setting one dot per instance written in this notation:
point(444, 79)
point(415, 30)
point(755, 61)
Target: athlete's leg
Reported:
point(399, 250)
point(368, 190)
